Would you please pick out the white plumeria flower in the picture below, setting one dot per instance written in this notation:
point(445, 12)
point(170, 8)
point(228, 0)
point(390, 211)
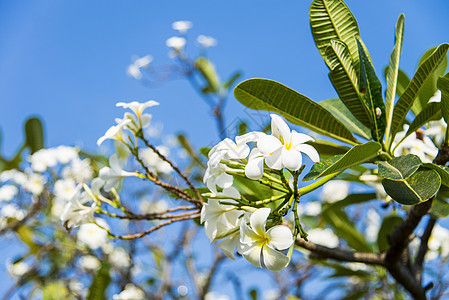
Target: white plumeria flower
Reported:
point(65, 189)
point(175, 42)
point(228, 149)
point(219, 218)
point(114, 132)
point(136, 124)
point(312, 208)
point(13, 175)
point(18, 269)
point(206, 41)
point(35, 183)
point(153, 207)
point(75, 212)
point(438, 243)
point(283, 147)
point(42, 159)
point(131, 292)
point(79, 170)
point(152, 160)
point(182, 26)
point(437, 131)
point(139, 63)
point(137, 107)
point(91, 235)
point(258, 243)
point(217, 176)
point(89, 263)
point(120, 258)
point(335, 190)
point(324, 237)
point(436, 97)
point(424, 148)
point(8, 192)
point(254, 167)
point(113, 175)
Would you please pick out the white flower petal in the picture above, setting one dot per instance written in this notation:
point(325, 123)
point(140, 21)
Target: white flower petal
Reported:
point(279, 128)
point(274, 160)
point(229, 244)
point(258, 220)
point(309, 151)
point(247, 235)
point(300, 138)
point(273, 260)
point(252, 253)
point(254, 168)
point(280, 237)
point(268, 144)
point(291, 159)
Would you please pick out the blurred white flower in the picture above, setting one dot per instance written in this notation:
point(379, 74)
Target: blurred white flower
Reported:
point(206, 41)
point(152, 160)
point(35, 183)
point(131, 292)
point(89, 263)
point(79, 170)
point(324, 237)
point(137, 107)
point(436, 130)
point(175, 42)
point(13, 175)
point(215, 296)
point(64, 189)
point(139, 63)
point(182, 26)
point(119, 258)
point(153, 207)
point(12, 211)
point(259, 244)
point(438, 243)
point(8, 192)
point(436, 97)
point(75, 212)
point(312, 208)
point(113, 175)
point(91, 235)
point(335, 190)
point(45, 158)
point(373, 222)
point(18, 269)
point(423, 147)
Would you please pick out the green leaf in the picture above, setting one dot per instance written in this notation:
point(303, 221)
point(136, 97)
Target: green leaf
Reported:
point(357, 155)
point(264, 94)
point(232, 79)
point(100, 283)
point(374, 100)
point(326, 148)
point(402, 81)
point(251, 189)
point(405, 102)
point(55, 291)
point(332, 20)
point(443, 85)
point(393, 71)
point(387, 227)
point(430, 84)
point(441, 170)
point(344, 79)
point(440, 208)
point(207, 70)
point(354, 199)
point(400, 167)
point(345, 229)
point(339, 110)
point(34, 134)
point(431, 112)
point(419, 187)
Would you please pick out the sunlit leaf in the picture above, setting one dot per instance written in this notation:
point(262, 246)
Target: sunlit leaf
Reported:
point(399, 167)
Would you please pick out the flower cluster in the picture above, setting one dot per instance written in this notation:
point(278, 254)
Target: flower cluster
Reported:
point(253, 226)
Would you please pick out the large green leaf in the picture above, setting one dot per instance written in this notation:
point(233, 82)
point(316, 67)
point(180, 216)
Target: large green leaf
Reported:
point(402, 81)
point(430, 84)
point(419, 187)
point(339, 110)
point(387, 227)
point(443, 85)
point(344, 79)
point(441, 170)
point(431, 112)
point(332, 20)
point(393, 71)
point(400, 167)
point(100, 283)
point(357, 155)
point(345, 229)
point(373, 88)
point(264, 94)
point(34, 134)
point(405, 102)
point(326, 148)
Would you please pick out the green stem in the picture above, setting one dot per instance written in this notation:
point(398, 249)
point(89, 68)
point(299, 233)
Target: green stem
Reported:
point(315, 185)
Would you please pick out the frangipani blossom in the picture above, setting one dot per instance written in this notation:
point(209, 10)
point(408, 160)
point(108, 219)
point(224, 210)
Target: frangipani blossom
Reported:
point(112, 175)
point(175, 42)
point(219, 218)
point(260, 244)
point(423, 147)
point(75, 213)
point(139, 63)
point(206, 41)
point(137, 107)
point(217, 176)
point(182, 26)
point(283, 147)
point(114, 132)
point(136, 124)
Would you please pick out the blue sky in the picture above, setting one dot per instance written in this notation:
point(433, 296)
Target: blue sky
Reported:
point(65, 60)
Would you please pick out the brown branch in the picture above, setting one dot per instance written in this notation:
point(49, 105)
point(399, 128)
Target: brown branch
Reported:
point(205, 288)
point(324, 252)
point(423, 248)
point(177, 170)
